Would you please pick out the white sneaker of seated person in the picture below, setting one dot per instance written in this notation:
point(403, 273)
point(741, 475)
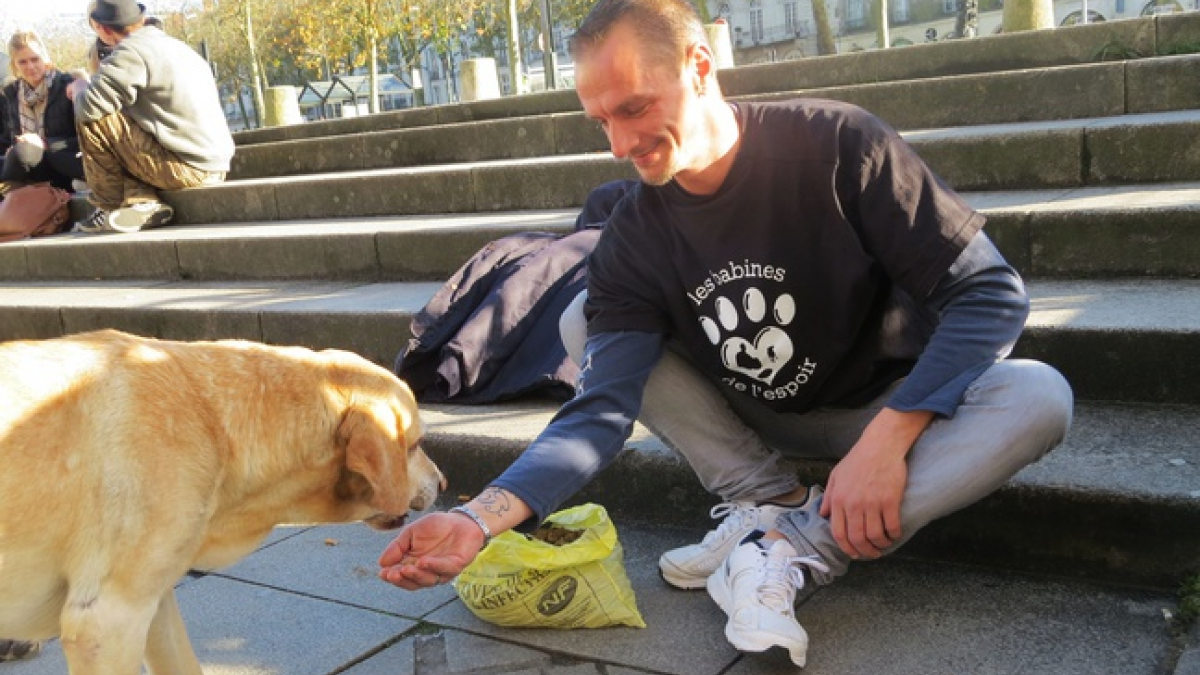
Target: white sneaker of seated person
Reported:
point(132, 218)
point(689, 567)
point(756, 587)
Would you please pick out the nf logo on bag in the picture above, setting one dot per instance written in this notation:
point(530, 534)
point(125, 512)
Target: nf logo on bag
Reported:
point(560, 594)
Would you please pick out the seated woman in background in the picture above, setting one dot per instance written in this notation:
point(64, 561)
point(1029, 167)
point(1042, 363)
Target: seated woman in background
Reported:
point(39, 119)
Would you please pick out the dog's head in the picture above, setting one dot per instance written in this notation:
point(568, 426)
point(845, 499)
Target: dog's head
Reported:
point(385, 472)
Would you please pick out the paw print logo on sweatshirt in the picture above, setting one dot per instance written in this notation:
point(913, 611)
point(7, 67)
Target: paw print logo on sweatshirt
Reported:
point(770, 350)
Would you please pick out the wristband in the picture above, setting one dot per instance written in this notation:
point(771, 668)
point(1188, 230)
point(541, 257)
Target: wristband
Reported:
point(487, 532)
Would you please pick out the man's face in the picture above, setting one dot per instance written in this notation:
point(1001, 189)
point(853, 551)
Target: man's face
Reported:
point(647, 109)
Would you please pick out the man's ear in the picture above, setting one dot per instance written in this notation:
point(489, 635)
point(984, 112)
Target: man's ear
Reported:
point(702, 66)
point(370, 453)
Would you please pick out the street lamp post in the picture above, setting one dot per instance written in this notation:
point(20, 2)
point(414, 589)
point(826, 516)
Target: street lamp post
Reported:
point(549, 60)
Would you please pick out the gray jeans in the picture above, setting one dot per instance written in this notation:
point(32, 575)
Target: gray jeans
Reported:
point(1012, 415)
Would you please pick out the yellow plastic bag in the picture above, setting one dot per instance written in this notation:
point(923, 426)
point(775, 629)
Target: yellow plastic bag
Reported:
point(517, 581)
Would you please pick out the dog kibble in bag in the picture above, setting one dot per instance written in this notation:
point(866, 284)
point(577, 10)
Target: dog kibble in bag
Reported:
point(571, 574)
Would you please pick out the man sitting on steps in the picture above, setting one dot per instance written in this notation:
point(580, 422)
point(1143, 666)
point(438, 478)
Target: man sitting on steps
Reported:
point(788, 279)
point(150, 119)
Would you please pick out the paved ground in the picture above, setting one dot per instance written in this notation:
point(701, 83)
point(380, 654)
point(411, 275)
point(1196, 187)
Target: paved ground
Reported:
point(308, 603)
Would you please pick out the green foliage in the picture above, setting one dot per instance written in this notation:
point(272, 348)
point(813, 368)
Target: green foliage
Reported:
point(1117, 51)
point(1179, 48)
point(1189, 605)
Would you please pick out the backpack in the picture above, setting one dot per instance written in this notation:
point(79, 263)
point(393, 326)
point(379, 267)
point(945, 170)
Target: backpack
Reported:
point(33, 211)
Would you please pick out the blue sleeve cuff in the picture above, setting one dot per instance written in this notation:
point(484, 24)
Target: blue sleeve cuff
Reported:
point(982, 307)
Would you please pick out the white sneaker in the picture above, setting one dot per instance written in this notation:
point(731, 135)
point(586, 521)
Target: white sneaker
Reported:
point(140, 216)
point(756, 588)
point(689, 567)
point(132, 218)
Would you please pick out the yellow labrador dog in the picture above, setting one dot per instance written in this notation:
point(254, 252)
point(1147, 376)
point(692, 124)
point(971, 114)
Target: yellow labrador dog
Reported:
point(127, 461)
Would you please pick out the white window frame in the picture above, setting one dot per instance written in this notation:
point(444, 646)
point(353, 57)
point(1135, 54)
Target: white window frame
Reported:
point(757, 34)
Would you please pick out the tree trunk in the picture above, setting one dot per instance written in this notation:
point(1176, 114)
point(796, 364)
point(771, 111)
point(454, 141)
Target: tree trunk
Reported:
point(451, 87)
point(549, 62)
point(516, 74)
point(373, 74)
point(242, 106)
point(372, 28)
point(256, 74)
point(882, 34)
point(967, 23)
point(825, 43)
point(1022, 15)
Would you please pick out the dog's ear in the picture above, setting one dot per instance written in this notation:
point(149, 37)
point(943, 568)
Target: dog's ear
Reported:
point(374, 450)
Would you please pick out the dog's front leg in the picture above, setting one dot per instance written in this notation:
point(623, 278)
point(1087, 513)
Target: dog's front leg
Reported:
point(168, 650)
point(104, 633)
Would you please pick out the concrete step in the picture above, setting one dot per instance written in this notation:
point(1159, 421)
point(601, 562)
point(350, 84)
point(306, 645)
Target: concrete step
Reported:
point(1119, 500)
point(1119, 40)
point(1105, 232)
point(1104, 90)
point(1114, 340)
point(1103, 151)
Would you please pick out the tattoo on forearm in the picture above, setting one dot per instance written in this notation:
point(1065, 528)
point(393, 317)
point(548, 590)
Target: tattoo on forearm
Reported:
point(495, 500)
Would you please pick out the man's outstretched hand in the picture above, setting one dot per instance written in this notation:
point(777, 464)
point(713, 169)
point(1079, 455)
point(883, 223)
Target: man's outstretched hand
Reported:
point(430, 551)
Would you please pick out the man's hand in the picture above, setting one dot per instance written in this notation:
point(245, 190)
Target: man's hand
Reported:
point(430, 551)
point(864, 491)
point(76, 88)
point(435, 548)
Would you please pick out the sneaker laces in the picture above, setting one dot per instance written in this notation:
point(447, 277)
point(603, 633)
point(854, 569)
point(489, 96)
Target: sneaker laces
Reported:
point(734, 516)
point(782, 576)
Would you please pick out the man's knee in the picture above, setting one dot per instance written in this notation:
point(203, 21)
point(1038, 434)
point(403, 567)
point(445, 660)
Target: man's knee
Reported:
point(1043, 398)
point(572, 327)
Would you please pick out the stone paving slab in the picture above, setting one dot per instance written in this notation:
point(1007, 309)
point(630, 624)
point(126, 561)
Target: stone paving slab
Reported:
point(284, 611)
point(245, 629)
point(683, 629)
point(905, 618)
point(339, 564)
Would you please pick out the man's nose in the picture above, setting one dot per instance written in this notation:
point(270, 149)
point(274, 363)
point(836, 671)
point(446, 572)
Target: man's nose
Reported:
point(621, 140)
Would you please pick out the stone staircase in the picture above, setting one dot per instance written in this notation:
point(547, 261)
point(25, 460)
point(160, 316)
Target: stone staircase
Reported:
point(333, 234)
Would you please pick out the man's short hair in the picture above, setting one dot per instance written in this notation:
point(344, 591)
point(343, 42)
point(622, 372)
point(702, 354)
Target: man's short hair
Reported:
point(667, 28)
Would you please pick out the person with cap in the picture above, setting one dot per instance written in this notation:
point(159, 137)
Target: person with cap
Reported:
point(37, 121)
point(149, 119)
